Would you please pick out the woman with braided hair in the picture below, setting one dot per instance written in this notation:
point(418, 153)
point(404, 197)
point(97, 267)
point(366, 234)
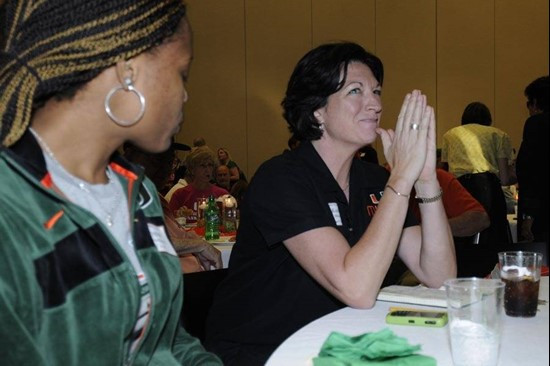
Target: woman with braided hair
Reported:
point(88, 275)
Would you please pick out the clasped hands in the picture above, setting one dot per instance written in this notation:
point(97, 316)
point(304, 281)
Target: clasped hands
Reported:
point(410, 150)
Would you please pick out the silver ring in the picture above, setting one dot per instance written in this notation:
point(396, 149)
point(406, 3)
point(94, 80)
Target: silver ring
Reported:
point(415, 126)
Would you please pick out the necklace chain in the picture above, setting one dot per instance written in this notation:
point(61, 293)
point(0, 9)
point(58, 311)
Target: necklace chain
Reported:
point(84, 186)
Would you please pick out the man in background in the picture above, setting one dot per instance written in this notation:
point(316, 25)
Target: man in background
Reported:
point(222, 177)
point(532, 165)
point(199, 141)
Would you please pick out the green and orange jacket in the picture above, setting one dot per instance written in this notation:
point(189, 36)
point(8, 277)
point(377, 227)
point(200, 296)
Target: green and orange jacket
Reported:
point(68, 293)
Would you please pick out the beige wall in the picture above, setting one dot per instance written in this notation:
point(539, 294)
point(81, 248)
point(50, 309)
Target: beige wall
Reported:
point(456, 51)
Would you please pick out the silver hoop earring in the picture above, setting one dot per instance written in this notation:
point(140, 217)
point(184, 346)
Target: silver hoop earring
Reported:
point(128, 86)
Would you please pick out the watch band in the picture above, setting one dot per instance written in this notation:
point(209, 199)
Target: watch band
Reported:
point(435, 198)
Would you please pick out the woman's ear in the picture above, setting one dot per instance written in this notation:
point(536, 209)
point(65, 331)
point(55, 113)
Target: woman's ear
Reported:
point(126, 69)
point(318, 116)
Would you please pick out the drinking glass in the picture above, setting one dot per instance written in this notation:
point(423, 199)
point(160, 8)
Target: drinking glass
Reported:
point(475, 307)
point(520, 271)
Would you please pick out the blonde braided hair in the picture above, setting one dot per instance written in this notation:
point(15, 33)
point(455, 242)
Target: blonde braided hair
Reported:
point(48, 47)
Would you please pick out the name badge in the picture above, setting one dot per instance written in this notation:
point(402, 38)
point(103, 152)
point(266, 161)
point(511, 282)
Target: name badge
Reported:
point(335, 213)
point(163, 244)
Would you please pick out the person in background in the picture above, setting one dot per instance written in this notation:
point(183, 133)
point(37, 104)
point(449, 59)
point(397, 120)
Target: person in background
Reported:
point(239, 190)
point(168, 182)
point(88, 275)
point(532, 164)
point(466, 219)
point(195, 253)
point(199, 141)
point(225, 159)
point(481, 157)
point(319, 228)
point(222, 177)
point(466, 215)
point(179, 169)
point(200, 163)
point(180, 181)
point(510, 193)
point(439, 164)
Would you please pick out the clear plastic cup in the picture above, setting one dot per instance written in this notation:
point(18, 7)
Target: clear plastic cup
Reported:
point(475, 316)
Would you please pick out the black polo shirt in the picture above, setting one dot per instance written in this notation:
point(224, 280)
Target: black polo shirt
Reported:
point(267, 295)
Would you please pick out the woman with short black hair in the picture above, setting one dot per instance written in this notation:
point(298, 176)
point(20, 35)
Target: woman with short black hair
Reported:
point(309, 241)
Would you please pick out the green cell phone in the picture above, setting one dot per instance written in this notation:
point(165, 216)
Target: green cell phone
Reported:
point(417, 317)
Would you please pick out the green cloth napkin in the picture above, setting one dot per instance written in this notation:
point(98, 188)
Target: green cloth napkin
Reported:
point(382, 348)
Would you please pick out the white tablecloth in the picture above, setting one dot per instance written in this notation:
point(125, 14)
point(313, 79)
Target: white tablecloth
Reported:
point(524, 340)
point(224, 246)
point(226, 253)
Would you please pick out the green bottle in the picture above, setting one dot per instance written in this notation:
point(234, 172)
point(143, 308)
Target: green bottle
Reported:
point(212, 220)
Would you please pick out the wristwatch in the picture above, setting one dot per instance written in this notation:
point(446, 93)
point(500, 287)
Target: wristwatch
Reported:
point(435, 198)
point(527, 217)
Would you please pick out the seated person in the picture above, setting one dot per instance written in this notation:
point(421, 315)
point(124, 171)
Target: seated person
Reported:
point(179, 171)
point(467, 218)
point(200, 170)
point(195, 253)
point(222, 177)
point(238, 190)
point(466, 215)
point(225, 159)
point(179, 179)
point(199, 141)
point(319, 228)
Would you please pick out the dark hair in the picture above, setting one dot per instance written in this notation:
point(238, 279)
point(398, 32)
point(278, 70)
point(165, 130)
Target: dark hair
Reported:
point(199, 141)
point(49, 48)
point(537, 93)
point(180, 173)
point(293, 142)
point(319, 74)
point(477, 112)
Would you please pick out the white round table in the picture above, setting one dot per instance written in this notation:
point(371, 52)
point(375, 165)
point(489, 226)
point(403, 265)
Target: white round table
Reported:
point(524, 340)
point(225, 246)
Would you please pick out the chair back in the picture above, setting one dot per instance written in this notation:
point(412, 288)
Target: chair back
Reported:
point(198, 294)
